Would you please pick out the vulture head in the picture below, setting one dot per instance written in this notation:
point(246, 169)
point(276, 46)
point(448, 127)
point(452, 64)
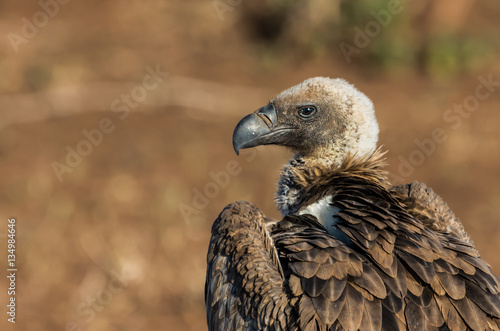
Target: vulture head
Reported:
point(320, 118)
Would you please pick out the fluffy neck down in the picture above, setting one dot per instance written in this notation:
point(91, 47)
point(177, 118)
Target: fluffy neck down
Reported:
point(304, 174)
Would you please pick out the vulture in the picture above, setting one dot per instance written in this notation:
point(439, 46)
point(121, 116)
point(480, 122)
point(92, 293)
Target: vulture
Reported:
point(351, 252)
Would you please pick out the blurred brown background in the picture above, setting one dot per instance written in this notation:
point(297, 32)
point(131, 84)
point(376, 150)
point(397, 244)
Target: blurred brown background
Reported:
point(116, 123)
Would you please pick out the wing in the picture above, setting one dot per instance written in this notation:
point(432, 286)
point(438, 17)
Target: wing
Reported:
point(429, 208)
point(244, 287)
point(394, 274)
point(335, 287)
point(447, 283)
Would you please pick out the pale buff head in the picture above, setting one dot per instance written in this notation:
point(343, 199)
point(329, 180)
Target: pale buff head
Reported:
point(321, 118)
point(343, 123)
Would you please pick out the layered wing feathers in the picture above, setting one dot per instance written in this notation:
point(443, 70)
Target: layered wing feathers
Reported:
point(245, 287)
point(396, 273)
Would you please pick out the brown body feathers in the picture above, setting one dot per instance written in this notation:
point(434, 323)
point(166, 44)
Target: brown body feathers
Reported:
point(351, 252)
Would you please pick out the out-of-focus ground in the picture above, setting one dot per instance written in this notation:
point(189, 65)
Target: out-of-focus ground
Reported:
point(115, 237)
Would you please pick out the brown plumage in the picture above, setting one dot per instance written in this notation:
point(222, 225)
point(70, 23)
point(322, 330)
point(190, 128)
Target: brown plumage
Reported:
point(351, 252)
point(430, 209)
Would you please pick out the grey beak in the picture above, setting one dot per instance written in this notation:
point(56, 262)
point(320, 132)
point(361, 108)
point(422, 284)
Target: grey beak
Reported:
point(255, 129)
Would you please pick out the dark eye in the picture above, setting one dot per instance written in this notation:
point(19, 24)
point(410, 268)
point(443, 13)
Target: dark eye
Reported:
point(307, 112)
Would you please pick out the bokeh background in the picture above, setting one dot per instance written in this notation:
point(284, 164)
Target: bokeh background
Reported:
point(112, 231)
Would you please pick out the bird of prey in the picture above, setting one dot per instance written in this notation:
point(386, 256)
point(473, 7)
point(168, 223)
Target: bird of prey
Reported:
point(351, 252)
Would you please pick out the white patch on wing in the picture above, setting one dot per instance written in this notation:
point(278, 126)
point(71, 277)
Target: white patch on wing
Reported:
point(323, 211)
point(326, 215)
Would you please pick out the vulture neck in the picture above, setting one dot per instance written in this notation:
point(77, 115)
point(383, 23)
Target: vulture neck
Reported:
point(306, 174)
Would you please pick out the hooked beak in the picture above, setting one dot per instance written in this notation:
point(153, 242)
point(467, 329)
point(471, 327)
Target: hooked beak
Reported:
point(258, 128)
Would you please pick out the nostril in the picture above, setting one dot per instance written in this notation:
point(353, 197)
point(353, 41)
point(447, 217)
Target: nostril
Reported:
point(268, 115)
point(266, 119)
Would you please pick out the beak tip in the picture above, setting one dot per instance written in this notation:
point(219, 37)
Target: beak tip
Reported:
point(236, 144)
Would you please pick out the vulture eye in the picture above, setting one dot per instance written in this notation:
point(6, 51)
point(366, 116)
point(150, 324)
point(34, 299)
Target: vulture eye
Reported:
point(307, 112)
